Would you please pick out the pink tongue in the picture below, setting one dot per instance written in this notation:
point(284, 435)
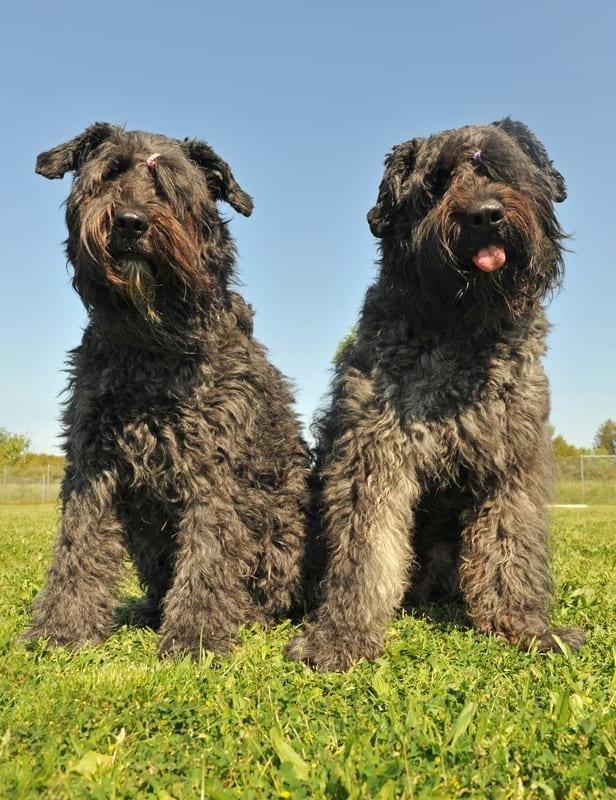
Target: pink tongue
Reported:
point(490, 258)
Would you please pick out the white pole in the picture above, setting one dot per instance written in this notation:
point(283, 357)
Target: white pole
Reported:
point(582, 476)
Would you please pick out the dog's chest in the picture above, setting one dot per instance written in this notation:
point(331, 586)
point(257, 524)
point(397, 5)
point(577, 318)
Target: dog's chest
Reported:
point(442, 383)
point(467, 408)
point(148, 420)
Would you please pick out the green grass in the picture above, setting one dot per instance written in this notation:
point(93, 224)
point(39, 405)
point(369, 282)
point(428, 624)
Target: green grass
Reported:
point(446, 713)
point(596, 492)
point(29, 491)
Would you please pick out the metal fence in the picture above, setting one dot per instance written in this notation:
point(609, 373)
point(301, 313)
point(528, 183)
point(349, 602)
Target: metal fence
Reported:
point(32, 487)
point(587, 480)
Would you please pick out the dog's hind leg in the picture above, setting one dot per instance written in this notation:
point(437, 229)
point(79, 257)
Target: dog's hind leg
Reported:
point(77, 604)
point(154, 565)
point(277, 518)
point(151, 544)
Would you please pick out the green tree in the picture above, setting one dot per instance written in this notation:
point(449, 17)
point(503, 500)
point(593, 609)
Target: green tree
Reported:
point(562, 448)
point(13, 446)
point(605, 438)
point(345, 342)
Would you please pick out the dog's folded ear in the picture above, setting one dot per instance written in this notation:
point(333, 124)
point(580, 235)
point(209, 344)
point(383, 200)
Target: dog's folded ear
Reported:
point(218, 176)
point(399, 164)
point(537, 153)
point(72, 154)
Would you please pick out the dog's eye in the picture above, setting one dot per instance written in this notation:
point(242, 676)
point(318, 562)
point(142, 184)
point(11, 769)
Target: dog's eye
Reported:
point(111, 172)
point(440, 178)
point(116, 167)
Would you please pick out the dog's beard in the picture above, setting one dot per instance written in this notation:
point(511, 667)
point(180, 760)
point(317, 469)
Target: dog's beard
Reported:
point(440, 270)
point(139, 284)
point(453, 285)
point(452, 265)
point(159, 280)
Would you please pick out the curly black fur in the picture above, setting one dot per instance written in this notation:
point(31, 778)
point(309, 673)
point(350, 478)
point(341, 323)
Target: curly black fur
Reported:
point(182, 446)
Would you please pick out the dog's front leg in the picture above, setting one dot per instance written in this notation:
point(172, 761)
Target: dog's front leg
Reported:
point(504, 568)
point(77, 604)
point(369, 494)
point(208, 599)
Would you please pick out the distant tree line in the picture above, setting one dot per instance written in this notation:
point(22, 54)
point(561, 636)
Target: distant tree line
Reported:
point(604, 443)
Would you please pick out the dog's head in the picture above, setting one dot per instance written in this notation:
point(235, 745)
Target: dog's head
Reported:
point(143, 225)
point(470, 214)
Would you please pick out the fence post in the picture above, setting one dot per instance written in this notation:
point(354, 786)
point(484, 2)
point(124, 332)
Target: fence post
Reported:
point(582, 476)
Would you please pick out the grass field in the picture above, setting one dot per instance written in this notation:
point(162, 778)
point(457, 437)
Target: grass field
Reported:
point(445, 713)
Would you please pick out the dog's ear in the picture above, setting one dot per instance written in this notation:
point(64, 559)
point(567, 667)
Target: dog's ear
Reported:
point(398, 166)
point(537, 154)
point(72, 154)
point(219, 176)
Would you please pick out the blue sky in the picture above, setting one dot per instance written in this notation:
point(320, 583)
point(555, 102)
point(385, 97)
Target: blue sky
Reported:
point(304, 100)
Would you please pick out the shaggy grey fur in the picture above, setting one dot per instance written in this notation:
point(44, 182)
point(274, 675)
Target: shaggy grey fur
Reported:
point(182, 447)
point(433, 461)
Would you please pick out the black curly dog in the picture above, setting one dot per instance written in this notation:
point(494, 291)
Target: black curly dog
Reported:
point(433, 460)
point(182, 447)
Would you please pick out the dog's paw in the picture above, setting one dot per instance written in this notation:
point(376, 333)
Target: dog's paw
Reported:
point(61, 637)
point(574, 638)
point(327, 651)
point(179, 645)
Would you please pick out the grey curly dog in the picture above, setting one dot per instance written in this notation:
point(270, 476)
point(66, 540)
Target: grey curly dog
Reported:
point(181, 443)
point(433, 459)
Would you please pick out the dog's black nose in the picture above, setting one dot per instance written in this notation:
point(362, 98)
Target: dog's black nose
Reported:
point(486, 214)
point(131, 224)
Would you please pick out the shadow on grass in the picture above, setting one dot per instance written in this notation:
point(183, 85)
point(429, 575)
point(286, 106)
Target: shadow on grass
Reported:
point(445, 617)
point(136, 612)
